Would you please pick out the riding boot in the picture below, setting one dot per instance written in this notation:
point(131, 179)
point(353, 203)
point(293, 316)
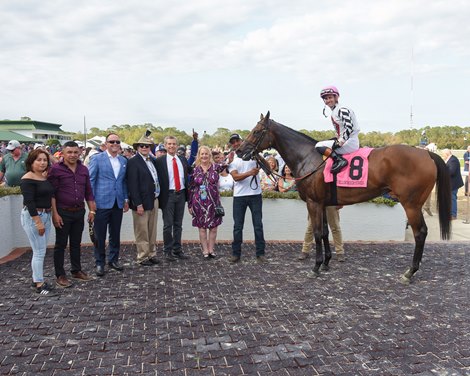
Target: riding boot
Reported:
point(338, 162)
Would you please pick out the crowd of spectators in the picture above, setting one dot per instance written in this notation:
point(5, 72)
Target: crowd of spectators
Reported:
point(219, 154)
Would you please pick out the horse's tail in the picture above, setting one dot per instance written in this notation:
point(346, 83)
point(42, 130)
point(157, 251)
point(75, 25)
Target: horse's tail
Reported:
point(443, 196)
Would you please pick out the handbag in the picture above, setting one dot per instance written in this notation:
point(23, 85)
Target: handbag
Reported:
point(219, 209)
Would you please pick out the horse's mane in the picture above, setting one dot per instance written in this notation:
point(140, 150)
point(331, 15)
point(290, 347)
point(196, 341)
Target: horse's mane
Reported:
point(306, 137)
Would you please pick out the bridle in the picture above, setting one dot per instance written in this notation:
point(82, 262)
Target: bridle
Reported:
point(254, 154)
point(255, 145)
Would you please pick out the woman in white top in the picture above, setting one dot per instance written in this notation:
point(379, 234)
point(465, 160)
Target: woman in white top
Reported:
point(225, 179)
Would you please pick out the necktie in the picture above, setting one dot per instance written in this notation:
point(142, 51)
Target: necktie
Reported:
point(176, 175)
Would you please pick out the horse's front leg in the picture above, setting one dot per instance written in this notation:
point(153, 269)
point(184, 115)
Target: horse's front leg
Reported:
point(318, 255)
point(326, 243)
point(316, 214)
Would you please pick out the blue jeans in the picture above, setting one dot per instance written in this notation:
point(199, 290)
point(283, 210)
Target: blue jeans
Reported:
point(453, 210)
point(38, 243)
point(240, 204)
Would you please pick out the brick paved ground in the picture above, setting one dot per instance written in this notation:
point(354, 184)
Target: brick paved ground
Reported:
point(201, 317)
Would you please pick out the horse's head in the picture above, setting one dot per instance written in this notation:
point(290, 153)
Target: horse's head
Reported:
point(258, 139)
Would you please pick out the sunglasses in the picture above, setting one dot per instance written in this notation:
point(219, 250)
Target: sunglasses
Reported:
point(114, 142)
point(144, 146)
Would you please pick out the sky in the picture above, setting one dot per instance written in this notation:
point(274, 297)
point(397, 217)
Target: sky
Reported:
point(206, 64)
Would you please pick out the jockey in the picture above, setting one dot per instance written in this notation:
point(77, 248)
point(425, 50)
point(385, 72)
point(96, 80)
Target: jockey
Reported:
point(347, 130)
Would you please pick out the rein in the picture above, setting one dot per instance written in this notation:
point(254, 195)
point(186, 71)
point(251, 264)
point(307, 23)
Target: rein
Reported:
point(265, 167)
point(272, 174)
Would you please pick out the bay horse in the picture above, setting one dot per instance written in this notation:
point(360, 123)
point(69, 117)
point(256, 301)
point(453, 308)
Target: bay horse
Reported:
point(405, 172)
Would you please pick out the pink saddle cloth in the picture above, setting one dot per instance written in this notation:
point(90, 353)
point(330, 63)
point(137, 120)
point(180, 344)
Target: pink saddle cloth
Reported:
point(355, 174)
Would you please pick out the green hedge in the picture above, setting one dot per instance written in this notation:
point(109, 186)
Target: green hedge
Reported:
point(6, 191)
point(295, 196)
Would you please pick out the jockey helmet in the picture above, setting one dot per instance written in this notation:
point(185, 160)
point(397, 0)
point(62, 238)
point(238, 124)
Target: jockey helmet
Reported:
point(329, 90)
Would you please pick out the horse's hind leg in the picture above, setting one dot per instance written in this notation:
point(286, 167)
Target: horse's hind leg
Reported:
point(420, 232)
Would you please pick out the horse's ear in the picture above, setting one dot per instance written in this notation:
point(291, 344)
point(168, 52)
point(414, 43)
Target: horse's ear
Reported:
point(261, 117)
point(267, 115)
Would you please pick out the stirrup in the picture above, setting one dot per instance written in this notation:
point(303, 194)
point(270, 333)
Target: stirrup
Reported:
point(339, 165)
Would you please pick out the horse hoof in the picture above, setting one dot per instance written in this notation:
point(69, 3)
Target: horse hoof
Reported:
point(313, 274)
point(325, 267)
point(408, 274)
point(405, 279)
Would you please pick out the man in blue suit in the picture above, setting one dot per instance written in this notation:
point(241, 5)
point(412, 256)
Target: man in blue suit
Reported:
point(108, 181)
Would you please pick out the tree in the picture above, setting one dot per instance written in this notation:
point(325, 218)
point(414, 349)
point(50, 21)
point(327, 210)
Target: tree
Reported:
point(52, 141)
point(452, 137)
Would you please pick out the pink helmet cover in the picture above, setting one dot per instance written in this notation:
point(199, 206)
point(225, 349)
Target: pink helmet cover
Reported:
point(329, 90)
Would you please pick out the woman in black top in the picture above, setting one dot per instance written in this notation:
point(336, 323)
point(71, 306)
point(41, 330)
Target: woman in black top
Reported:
point(36, 214)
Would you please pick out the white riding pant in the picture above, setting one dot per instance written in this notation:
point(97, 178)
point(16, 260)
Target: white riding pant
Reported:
point(351, 145)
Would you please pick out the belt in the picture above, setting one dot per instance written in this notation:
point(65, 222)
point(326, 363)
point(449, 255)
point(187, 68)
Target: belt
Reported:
point(176, 192)
point(73, 209)
point(40, 210)
point(44, 210)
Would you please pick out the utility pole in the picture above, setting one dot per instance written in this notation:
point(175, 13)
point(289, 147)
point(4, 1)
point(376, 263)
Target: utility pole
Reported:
point(411, 89)
point(84, 130)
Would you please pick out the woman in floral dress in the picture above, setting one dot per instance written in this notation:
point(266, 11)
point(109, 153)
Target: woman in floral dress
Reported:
point(203, 198)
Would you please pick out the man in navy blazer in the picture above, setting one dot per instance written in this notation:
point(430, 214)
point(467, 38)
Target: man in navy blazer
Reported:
point(109, 184)
point(144, 189)
point(173, 197)
point(456, 181)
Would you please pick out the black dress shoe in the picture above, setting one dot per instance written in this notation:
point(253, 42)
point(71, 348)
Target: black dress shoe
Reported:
point(146, 263)
point(169, 257)
point(116, 266)
point(100, 271)
point(180, 255)
point(154, 260)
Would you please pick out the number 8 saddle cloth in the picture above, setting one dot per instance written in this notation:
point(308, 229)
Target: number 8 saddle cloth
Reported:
point(355, 174)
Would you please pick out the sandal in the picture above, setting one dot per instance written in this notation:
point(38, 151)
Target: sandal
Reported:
point(212, 255)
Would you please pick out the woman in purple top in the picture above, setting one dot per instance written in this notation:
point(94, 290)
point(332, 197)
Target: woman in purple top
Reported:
point(203, 198)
